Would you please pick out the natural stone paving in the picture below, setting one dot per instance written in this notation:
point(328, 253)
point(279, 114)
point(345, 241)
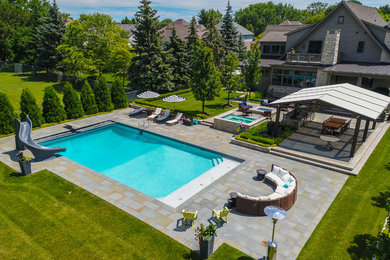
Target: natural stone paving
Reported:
point(317, 189)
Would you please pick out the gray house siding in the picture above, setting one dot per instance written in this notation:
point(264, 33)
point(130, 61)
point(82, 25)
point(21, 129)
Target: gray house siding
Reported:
point(351, 33)
point(292, 38)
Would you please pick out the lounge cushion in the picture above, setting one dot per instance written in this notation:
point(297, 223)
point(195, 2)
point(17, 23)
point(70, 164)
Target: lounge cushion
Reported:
point(275, 169)
point(286, 177)
point(275, 179)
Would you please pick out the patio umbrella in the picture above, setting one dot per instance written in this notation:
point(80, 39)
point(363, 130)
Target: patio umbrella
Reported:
point(174, 99)
point(148, 94)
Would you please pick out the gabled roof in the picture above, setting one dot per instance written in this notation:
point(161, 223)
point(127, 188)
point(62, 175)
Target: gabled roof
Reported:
point(182, 28)
point(127, 27)
point(240, 29)
point(361, 101)
point(366, 13)
point(278, 33)
point(367, 69)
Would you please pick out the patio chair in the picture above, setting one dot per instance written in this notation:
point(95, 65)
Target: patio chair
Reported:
point(165, 116)
point(221, 213)
point(191, 216)
point(175, 120)
point(155, 114)
point(137, 111)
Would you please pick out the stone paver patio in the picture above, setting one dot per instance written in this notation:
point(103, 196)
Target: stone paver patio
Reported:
point(317, 189)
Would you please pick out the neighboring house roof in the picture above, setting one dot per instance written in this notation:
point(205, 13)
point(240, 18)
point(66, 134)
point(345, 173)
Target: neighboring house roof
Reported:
point(182, 28)
point(346, 96)
point(278, 33)
point(266, 63)
point(240, 29)
point(127, 27)
point(366, 13)
point(366, 69)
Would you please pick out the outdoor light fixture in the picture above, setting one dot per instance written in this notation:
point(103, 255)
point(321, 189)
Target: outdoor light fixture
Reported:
point(276, 214)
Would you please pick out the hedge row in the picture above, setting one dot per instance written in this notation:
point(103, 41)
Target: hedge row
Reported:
point(75, 106)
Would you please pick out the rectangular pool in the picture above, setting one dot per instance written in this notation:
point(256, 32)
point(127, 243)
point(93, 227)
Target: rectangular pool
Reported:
point(152, 164)
point(239, 119)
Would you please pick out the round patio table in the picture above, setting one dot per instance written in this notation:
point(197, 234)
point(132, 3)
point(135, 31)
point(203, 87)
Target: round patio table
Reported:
point(329, 139)
point(261, 173)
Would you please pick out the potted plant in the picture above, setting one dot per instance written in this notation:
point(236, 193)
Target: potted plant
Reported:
point(187, 121)
point(205, 237)
point(24, 163)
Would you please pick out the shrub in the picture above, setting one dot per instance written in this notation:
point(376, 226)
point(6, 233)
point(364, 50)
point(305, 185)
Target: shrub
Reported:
point(88, 99)
point(52, 110)
point(72, 103)
point(7, 115)
point(29, 107)
point(103, 96)
point(118, 95)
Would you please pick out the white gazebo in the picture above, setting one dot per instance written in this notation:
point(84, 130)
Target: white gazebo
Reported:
point(340, 99)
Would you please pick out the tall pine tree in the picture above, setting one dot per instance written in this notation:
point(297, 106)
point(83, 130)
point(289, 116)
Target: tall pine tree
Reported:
point(73, 107)
point(178, 61)
point(192, 37)
point(103, 96)
point(29, 107)
point(242, 50)
point(148, 69)
point(7, 115)
point(229, 31)
point(87, 98)
point(49, 37)
point(52, 109)
point(215, 41)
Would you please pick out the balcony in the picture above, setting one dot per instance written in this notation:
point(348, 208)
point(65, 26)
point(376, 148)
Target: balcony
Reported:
point(310, 58)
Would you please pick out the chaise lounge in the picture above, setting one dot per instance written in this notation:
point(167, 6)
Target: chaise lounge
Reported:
point(164, 117)
point(285, 187)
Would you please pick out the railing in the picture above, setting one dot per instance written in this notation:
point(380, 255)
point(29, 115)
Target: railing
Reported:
point(304, 57)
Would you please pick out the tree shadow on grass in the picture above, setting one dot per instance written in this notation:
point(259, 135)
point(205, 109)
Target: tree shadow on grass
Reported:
point(387, 166)
point(382, 200)
point(358, 248)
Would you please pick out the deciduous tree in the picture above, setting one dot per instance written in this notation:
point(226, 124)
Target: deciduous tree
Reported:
point(230, 78)
point(251, 69)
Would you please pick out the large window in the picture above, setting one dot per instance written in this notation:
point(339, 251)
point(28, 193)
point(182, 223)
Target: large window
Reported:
point(294, 78)
point(315, 46)
point(276, 49)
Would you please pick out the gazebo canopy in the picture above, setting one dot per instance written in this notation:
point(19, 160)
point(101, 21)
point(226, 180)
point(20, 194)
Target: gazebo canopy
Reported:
point(357, 100)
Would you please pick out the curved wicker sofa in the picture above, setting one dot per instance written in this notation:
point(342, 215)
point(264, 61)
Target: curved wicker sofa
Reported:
point(281, 197)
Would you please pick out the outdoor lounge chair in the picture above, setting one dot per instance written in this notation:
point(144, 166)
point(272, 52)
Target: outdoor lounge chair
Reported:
point(137, 111)
point(176, 120)
point(164, 117)
point(221, 213)
point(155, 114)
point(191, 216)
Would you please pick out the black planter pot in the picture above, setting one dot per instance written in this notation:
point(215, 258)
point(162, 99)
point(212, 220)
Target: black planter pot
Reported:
point(206, 247)
point(25, 167)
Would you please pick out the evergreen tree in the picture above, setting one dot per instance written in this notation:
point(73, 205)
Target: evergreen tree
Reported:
point(229, 31)
point(192, 37)
point(242, 50)
point(230, 79)
point(214, 41)
point(73, 107)
point(251, 68)
point(103, 96)
point(52, 110)
point(206, 83)
point(178, 61)
point(118, 95)
point(29, 107)
point(148, 69)
point(49, 36)
point(7, 115)
point(88, 99)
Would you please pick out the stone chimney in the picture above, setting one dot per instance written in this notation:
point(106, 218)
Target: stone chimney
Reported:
point(330, 52)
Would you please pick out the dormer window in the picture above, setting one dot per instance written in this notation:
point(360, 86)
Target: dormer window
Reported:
point(340, 20)
point(360, 47)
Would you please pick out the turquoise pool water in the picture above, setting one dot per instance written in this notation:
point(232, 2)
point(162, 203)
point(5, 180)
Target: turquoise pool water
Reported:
point(152, 164)
point(264, 109)
point(240, 119)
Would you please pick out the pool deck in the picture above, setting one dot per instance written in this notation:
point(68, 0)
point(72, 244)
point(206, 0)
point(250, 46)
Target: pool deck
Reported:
point(317, 188)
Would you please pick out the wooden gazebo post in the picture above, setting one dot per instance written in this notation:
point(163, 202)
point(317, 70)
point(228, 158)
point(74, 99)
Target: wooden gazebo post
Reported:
point(366, 129)
point(355, 136)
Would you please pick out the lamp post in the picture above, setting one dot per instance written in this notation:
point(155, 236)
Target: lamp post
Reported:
point(276, 214)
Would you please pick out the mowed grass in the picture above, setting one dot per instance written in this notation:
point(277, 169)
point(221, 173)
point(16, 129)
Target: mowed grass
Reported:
point(43, 216)
point(12, 84)
point(356, 213)
point(193, 107)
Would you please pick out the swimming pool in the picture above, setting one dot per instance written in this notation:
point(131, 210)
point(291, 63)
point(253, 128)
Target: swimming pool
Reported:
point(240, 119)
point(152, 164)
point(264, 109)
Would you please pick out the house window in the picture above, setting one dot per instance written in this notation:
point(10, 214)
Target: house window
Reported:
point(360, 47)
point(315, 46)
point(294, 78)
point(340, 20)
point(275, 49)
point(266, 49)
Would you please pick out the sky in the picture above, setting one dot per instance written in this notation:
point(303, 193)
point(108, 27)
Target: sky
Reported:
point(173, 9)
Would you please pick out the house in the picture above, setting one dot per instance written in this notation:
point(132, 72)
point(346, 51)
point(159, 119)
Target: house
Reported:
point(349, 45)
point(246, 35)
point(128, 28)
point(182, 28)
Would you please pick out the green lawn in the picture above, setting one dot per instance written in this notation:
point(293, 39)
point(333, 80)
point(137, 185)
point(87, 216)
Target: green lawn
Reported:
point(193, 107)
point(42, 216)
point(356, 213)
point(12, 84)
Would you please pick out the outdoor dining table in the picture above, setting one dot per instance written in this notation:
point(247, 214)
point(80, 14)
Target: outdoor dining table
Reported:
point(332, 124)
point(337, 120)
